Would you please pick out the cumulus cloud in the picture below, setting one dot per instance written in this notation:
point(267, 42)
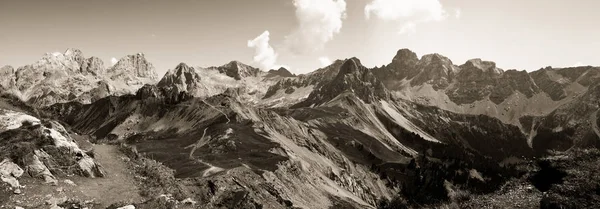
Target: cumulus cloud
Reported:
point(408, 28)
point(318, 22)
point(113, 61)
point(325, 61)
point(457, 13)
point(408, 13)
point(264, 54)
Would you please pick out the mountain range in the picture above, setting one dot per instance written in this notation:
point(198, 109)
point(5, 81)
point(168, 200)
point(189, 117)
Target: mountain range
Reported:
point(342, 136)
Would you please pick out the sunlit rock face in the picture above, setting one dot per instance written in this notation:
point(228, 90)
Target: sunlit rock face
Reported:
point(69, 76)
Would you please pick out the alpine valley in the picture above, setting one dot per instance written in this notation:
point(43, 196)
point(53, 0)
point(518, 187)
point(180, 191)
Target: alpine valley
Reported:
point(417, 132)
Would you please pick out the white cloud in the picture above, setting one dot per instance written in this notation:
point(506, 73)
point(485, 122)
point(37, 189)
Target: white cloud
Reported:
point(457, 13)
point(578, 64)
point(325, 61)
point(408, 28)
point(318, 22)
point(264, 54)
point(406, 12)
point(113, 61)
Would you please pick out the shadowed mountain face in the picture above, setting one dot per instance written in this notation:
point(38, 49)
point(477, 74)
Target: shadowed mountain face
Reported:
point(343, 134)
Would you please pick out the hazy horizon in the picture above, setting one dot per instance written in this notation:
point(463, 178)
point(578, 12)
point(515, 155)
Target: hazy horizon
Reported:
point(303, 35)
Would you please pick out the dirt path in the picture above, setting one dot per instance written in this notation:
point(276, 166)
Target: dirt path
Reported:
point(118, 184)
point(218, 110)
point(212, 169)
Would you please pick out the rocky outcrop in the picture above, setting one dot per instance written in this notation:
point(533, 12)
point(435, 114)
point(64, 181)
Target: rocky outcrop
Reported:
point(510, 82)
point(352, 77)
point(9, 173)
point(474, 81)
point(183, 77)
point(237, 70)
point(69, 76)
point(573, 124)
point(7, 78)
point(132, 68)
point(403, 66)
point(94, 66)
point(44, 148)
point(282, 72)
point(169, 95)
point(432, 69)
point(436, 70)
point(309, 81)
point(551, 83)
point(557, 82)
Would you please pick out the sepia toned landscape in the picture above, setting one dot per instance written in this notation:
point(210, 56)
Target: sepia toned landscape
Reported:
point(203, 120)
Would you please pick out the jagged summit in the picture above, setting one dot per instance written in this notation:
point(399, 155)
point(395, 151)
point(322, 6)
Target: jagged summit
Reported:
point(436, 58)
point(7, 77)
point(405, 56)
point(350, 66)
point(184, 77)
point(182, 67)
point(133, 65)
point(93, 65)
point(237, 70)
point(352, 77)
point(486, 66)
point(280, 72)
point(69, 76)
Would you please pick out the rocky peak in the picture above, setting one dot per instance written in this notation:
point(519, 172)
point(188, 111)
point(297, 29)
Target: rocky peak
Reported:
point(7, 77)
point(478, 70)
point(93, 65)
point(59, 63)
point(134, 65)
point(183, 68)
point(169, 95)
point(402, 66)
point(405, 57)
point(280, 72)
point(183, 77)
point(435, 59)
point(352, 77)
point(75, 55)
point(350, 66)
point(434, 69)
point(238, 70)
point(485, 66)
point(478, 79)
point(7, 69)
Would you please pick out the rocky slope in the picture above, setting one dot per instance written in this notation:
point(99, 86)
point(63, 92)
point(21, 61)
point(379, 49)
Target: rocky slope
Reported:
point(235, 78)
point(69, 76)
point(480, 87)
point(40, 149)
point(344, 135)
point(345, 142)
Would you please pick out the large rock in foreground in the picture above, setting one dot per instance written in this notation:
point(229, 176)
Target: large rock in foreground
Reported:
point(43, 148)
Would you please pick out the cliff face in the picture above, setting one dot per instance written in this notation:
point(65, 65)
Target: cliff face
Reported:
point(132, 68)
point(69, 76)
point(7, 78)
point(352, 77)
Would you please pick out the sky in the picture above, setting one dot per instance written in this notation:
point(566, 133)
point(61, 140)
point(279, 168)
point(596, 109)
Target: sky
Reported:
point(304, 35)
